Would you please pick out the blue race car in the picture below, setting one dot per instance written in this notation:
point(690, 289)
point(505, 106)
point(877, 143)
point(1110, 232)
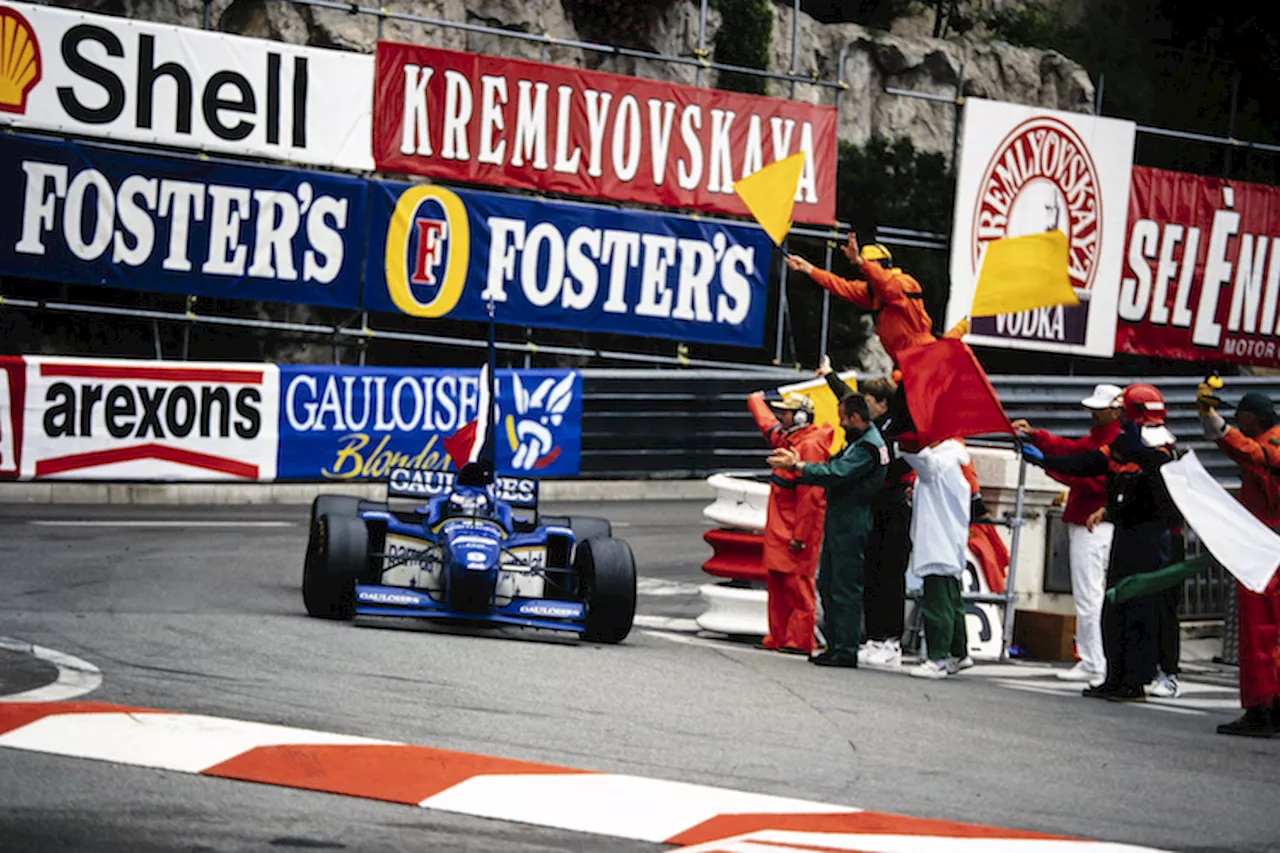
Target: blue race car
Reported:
point(475, 551)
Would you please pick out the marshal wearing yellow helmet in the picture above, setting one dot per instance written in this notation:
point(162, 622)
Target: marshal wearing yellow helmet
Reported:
point(893, 297)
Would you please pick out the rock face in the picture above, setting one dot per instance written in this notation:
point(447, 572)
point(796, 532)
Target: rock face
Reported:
point(872, 60)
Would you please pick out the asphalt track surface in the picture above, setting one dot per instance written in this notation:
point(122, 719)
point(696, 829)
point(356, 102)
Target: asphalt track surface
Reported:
point(184, 609)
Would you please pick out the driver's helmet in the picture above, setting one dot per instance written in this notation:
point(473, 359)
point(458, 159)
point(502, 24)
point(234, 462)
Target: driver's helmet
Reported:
point(470, 502)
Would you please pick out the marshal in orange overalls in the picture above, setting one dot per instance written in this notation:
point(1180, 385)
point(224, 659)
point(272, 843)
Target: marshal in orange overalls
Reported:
point(795, 514)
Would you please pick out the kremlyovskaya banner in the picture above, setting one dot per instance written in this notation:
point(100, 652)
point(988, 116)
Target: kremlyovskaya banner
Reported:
point(1025, 170)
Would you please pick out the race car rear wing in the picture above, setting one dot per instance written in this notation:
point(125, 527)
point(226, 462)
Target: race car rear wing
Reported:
point(519, 492)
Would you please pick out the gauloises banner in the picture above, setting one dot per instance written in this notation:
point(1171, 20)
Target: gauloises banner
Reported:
point(511, 123)
point(1201, 277)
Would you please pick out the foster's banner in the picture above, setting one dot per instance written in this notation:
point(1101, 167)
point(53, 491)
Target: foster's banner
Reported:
point(435, 252)
point(1025, 170)
point(97, 419)
point(346, 423)
point(512, 123)
point(116, 78)
point(81, 213)
point(1202, 273)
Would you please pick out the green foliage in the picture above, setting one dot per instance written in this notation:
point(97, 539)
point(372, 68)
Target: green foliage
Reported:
point(879, 14)
point(628, 24)
point(744, 39)
point(1034, 25)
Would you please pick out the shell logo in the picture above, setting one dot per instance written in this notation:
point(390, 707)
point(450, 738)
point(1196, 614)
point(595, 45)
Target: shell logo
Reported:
point(428, 248)
point(19, 61)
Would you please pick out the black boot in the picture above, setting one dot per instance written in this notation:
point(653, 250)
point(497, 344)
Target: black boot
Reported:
point(1128, 693)
point(1255, 722)
point(833, 657)
point(1105, 690)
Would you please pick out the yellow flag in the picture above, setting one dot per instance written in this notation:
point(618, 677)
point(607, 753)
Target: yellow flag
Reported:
point(770, 194)
point(825, 404)
point(1023, 273)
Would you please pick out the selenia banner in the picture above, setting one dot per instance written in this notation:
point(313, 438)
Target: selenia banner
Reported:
point(434, 252)
point(513, 123)
point(348, 423)
point(98, 419)
point(83, 213)
point(1202, 273)
point(96, 75)
point(1023, 170)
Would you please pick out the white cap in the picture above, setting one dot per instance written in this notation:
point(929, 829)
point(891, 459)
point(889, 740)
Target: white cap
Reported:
point(1103, 397)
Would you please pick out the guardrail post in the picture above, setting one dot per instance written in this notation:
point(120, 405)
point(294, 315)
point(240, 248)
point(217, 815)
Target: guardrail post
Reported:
point(1010, 593)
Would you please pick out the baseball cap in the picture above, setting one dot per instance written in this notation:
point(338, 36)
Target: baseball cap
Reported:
point(1258, 404)
point(1103, 397)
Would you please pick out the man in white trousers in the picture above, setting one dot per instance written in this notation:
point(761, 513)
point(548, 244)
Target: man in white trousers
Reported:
point(1089, 550)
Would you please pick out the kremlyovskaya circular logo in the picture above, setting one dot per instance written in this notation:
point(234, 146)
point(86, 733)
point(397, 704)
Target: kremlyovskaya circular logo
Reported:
point(1041, 177)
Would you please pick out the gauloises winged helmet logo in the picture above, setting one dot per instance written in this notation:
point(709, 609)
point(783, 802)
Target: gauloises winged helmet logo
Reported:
point(20, 66)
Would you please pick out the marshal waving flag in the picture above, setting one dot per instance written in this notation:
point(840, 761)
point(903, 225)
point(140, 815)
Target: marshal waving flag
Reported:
point(1024, 274)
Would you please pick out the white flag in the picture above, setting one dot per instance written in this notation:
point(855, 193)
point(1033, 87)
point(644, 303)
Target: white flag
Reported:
point(1245, 546)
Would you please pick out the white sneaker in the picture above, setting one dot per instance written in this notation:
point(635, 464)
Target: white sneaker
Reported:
point(886, 655)
point(955, 665)
point(1080, 672)
point(1164, 687)
point(931, 669)
point(867, 650)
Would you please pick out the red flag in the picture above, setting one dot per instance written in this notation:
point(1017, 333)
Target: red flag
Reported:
point(459, 444)
point(992, 554)
point(948, 393)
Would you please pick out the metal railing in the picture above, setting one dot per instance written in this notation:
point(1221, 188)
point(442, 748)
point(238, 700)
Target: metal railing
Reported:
point(343, 337)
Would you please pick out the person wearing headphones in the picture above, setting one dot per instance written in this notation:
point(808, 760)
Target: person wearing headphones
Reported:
point(1253, 444)
point(851, 480)
point(794, 521)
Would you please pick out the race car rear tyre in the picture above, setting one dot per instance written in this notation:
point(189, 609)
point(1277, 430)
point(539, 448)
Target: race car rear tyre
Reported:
point(607, 570)
point(337, 555)
point(583, 526)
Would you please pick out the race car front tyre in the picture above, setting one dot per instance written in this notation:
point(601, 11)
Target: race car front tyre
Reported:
point(607, 570)
point(341, 505)
point(337, 554)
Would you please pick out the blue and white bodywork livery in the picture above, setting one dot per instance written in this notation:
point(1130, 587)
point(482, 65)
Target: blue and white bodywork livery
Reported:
point(470, 548)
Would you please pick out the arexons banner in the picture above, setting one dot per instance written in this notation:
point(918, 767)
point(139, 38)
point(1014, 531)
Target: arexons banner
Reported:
point(346, 423)
point(1202, 272)
point(86, 214)
point(125, 420)
point(97, 75)
point(512, 123)
point(1024, 170)
point(436, 252)
point(98, 419)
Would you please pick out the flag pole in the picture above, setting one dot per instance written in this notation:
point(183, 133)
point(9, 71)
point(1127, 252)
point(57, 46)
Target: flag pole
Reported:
point(489, 452)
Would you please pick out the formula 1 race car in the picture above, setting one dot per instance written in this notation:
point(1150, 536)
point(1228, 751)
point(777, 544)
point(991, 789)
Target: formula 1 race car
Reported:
point(475, 551)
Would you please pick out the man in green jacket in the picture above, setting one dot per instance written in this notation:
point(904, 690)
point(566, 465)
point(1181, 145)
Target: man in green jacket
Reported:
point(851, 478)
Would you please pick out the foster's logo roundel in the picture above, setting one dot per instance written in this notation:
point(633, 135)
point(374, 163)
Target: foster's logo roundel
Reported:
point(1040, 178)
point(428, 244)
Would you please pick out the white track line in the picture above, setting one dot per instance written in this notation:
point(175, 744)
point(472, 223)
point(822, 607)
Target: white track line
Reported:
point(76, 677)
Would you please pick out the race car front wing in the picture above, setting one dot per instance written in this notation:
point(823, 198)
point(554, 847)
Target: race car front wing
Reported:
point(548, 614)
